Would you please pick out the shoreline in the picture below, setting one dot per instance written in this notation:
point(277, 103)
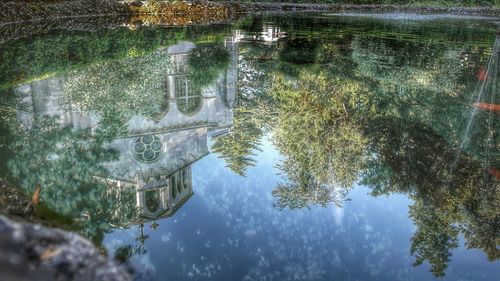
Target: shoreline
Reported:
point(12, 12)
point(472, 11)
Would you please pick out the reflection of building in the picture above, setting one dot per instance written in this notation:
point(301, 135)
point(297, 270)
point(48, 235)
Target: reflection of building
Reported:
point(45, 98)
point(155, 156)
point(158, 196)
point(270, 33)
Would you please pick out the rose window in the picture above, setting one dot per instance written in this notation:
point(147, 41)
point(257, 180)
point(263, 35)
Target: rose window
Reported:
point(147, 148)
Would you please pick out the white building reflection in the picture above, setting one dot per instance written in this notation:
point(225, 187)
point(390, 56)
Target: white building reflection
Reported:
point(269, 34)
point(155, 156)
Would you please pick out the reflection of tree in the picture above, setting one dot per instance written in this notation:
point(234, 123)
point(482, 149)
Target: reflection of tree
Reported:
point(424, 97)
point(65, 163)
point(435, 237)
point(408, 66)
point(426, 84)
point(392, 120)
point(303, 189)
point(125, 252)
point(238, 146)
point(117, 90)
point(8, 103)
point(448, 187)
point(451, 191)
point(57, 53)
point(483, 223)
point(206, 63)
point(299, 50)
point(320, 139)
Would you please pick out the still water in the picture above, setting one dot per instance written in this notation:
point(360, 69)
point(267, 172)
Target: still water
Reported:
point(276, 147)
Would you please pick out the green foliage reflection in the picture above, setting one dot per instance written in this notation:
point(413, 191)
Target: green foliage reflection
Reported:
point(390, 114)
point(67, 166)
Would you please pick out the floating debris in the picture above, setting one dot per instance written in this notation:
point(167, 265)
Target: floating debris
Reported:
point(36, 195)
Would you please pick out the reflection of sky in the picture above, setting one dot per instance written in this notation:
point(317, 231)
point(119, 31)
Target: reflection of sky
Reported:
point(229, 230)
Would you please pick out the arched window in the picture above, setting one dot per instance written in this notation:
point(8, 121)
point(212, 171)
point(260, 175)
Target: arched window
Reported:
point(173, 188)
point(188, 99)
point(152, 200)
point(180, 182)
point(185, 178)
point(180, 65)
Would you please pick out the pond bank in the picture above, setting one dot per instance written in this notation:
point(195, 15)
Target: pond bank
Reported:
point(476, 11)
point(172, 13)
point(183, 12)
point(18, 12)
point(34, 252)
point(30, 249)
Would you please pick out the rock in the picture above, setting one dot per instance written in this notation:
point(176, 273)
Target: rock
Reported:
point(35, 252)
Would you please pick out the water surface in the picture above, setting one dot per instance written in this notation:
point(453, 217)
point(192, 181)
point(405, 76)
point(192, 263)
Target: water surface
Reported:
point(278, 147)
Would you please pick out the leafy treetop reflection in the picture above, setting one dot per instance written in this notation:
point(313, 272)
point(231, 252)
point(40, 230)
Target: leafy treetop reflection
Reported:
point(344, 109)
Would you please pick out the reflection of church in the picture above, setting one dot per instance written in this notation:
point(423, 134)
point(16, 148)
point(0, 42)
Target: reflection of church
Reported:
point(155, 156)
point(269, 34)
